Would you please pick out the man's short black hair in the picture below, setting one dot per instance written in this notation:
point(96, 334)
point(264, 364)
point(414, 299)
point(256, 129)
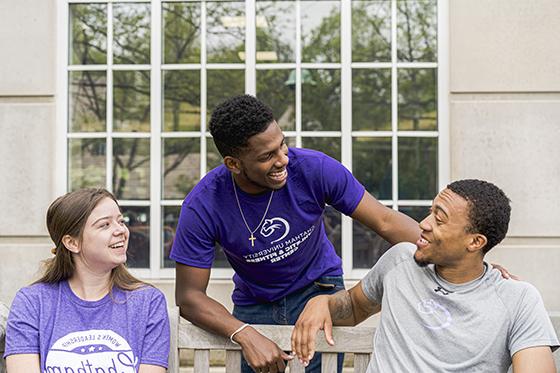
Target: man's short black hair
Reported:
point(235, 120)
point(489, 209)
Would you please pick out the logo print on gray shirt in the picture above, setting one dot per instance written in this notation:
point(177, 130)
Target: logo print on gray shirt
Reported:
point(434, 315)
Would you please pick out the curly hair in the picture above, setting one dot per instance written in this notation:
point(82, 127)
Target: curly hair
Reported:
point(489, 209)
point(235, 120)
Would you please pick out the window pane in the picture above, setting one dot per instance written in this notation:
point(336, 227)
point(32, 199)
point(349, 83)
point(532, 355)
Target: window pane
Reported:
point(328, 145)
point(223, 84)
point(417, 30)
point(332, 220)
point(275, 89)
point(181, 100)
point(418, 168)
point(290, 141)
point(213, 157)
point(320, 31)
point(86, 163)
point(131, 101)
point(138, 222)
point(87, 100)
point(181, 166)
point(368, 246)
point(131, 168)
point(225, 35)
point(88, 34)
point(371, 31)
point(418, 99)
point(320, 100)
point(220, 260)
point(371, 100)
point(417, 213)
point(170, 218)
point(131, 33)
point(181, 32)
point(372, 166)
point(276, 31)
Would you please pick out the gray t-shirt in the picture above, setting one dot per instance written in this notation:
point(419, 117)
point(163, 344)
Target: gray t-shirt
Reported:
point(428, 324)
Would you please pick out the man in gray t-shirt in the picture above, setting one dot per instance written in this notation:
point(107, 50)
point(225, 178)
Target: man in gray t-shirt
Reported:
point(444, 309)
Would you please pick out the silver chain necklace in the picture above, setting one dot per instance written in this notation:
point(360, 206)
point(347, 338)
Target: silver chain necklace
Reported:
point(252, 237)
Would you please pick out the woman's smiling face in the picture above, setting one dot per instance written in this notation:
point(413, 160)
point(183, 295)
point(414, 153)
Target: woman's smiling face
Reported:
point(105, 237)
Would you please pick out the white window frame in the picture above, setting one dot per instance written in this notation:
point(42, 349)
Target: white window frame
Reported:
point(250, 66)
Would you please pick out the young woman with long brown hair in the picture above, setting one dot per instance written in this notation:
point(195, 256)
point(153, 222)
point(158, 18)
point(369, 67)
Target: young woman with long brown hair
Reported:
point(87, 313)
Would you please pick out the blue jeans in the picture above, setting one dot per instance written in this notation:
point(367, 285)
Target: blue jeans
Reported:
point(285, 311)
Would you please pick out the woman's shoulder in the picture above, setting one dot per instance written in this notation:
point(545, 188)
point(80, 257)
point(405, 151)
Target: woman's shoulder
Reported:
point(145, 292)
point(39, 289)
point(36, 296)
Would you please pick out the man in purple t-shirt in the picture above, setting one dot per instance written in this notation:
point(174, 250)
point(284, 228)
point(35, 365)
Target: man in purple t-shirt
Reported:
point(265, 206)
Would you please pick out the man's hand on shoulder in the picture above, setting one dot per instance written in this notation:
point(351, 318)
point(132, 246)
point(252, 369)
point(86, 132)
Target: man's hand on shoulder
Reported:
point(260, 352)
point(505, 273)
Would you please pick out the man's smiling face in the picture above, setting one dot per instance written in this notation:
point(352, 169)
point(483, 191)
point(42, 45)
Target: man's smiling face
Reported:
point(262, 164)
point(444, 238)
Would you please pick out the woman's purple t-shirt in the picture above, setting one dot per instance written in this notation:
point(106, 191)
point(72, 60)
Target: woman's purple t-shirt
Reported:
point(113, 334)
point(291, 249)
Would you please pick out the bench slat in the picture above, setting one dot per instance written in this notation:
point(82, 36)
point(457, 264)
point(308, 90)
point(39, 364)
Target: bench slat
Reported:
point(296, 366)
point(361, 362)
point(233, 361)
point(201, 361)
point(173, 361)
point(328, 362)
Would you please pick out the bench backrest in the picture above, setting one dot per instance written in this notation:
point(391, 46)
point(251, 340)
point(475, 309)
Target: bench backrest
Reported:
point(187, 336)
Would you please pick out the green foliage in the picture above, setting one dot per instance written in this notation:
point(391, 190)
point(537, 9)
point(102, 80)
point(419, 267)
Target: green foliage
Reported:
point(322, 44)
point(181, 33)
point(371, 31)
point(131, 33)
point(88, 34)
point(417, 31)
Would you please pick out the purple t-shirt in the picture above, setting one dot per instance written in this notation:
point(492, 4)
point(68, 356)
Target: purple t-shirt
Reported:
point(291, 249)
point(73, 335)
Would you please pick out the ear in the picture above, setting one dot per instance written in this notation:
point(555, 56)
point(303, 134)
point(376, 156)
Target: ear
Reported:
point(71, 244)
point(477, 242)
point(233, 164)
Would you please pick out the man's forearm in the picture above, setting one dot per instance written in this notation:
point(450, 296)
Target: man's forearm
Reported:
point(392, 225)
point(340, 308)
point(351, 307)
point(400, 228)
point(209, 314)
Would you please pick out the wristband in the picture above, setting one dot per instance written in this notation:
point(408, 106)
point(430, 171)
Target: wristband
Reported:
point(237, 331)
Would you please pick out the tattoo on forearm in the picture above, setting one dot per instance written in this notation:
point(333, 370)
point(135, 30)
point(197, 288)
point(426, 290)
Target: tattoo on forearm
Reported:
point(342, 306)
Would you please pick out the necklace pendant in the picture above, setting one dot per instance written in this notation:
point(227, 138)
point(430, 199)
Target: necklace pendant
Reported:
point(252, 239)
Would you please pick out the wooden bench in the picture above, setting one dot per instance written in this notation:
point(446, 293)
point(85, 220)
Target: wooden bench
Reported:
point(357, 340)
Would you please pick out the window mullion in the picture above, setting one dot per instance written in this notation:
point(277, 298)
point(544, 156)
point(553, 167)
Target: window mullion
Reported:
point(109, 149)
point(346, 118)
point(250, 48)
point(394, 106)
point(298, 73)
point(156, 154)
point(444, 156)
point(203, 86)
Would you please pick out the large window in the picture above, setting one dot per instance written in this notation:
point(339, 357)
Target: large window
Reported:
point(357, 80)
